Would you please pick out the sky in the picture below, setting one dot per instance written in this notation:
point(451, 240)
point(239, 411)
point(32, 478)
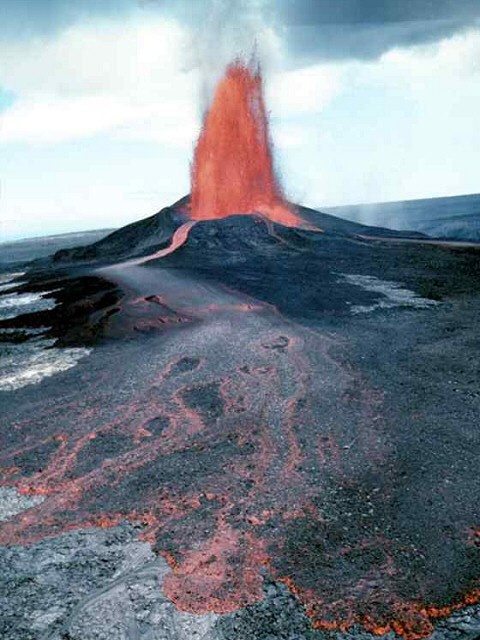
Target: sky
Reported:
point(101, 102)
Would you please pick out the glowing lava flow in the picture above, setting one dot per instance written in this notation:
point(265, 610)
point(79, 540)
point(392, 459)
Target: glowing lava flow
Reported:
point(232, 170)
point(179, 237)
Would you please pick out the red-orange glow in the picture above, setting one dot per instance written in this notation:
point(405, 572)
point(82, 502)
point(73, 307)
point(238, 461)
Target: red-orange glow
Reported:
point(232, 170)
point(179, 237)
point(198, 583)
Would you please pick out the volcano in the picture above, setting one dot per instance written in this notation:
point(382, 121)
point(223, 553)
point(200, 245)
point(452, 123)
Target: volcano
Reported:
point(273, 433)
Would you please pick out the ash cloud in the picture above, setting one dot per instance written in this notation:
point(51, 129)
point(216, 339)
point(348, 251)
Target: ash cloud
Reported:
point(318, 29)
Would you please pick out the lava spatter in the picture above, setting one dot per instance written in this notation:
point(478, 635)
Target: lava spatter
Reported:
point(233, 168)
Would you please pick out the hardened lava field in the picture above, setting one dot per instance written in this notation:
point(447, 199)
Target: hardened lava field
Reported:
point(263, 416)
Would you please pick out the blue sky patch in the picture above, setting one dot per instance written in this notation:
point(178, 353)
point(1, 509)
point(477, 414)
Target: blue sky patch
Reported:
point(7, 98)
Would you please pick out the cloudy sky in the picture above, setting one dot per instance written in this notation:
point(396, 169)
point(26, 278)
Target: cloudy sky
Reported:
point(101, 101)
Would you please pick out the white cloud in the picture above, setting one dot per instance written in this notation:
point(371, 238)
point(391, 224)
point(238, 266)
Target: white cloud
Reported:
point(59, 120)
point(453, 57)
point(287, 135)
point(306, 90)
point(142, 78)
point(94, 78)
point(56, 120)
point(450, 62)
point(134, 59)
point(402, 126)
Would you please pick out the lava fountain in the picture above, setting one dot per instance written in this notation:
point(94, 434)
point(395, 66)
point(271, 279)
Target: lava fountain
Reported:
point(232, 170)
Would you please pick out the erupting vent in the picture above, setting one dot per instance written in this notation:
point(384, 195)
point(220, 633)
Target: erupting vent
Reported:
point(232, 170)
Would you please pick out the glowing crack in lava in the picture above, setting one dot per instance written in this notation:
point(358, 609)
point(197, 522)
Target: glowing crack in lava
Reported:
point(233, 170)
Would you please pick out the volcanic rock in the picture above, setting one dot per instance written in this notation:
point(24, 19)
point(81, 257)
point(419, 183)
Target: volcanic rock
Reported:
point(287, 416)
point(153, 233)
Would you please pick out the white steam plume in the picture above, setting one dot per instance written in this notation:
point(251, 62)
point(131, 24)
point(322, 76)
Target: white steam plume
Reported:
point(222, 30)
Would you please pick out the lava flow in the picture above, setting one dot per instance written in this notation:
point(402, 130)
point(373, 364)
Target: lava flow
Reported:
point(233, 167)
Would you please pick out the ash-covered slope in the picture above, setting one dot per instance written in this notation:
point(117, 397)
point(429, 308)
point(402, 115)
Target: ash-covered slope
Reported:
point(308, 274)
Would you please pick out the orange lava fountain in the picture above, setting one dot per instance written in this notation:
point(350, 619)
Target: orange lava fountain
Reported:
point(232, 170)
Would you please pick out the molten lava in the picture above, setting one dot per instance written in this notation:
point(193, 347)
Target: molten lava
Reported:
point(233, 170)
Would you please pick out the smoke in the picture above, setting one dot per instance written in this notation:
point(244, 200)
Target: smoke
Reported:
point(221, 30)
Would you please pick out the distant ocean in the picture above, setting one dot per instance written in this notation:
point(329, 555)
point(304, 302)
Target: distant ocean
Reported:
point(32, 361)
point(456, 217)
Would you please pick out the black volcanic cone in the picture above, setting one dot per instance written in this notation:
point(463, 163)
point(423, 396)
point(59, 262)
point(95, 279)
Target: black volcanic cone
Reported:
point(153, 233)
